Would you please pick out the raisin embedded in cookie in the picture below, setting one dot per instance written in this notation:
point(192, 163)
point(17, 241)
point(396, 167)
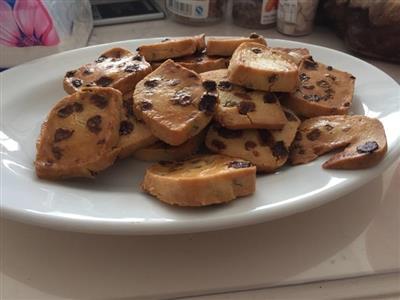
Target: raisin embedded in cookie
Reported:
point(363, 140)
point(322, 90)
point(173, 103)
point(117, 68)
point(257, 67)
point(80, 135)
point(266, 149)
point(226, 46)
point(241, 108)
point(200, 181)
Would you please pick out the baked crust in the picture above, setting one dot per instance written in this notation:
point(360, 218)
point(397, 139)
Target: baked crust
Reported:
point(241, 108)
point(297, 54)
point(226, 46)
point(322, 90)
point(363, 140)
point(257, 67)
point(80, 135)
point(173, 103)
point(187, 183)
point(267, 149)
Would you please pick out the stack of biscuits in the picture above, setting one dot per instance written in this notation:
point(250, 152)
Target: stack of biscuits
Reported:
point(212, 113)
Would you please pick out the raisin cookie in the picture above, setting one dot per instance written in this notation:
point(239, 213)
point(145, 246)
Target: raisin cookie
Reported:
point(187, 183)
point(171, 48)
point(80, 136)
point(117, 68)
point(257, 67)
point(133, 134)
point(267, 149)
point(241, 108)
point(174, 103)
point(322, 90)
point(226, 46)
point(363, 140)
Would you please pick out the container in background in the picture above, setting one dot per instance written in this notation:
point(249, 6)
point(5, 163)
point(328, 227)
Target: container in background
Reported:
point(255, 14)
point(196, 12)
point(296, 17)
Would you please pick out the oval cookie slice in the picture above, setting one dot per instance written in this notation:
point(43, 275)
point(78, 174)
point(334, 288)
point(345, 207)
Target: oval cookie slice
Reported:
point(323, 90)
point(267, 149)
point(363, 140)
point(187, 183)
point(80, 135)
point(257, 67)
point(117, 68)
point(241, 108)
point(173, 102)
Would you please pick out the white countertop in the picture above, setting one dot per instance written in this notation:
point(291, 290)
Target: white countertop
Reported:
point(352, 237)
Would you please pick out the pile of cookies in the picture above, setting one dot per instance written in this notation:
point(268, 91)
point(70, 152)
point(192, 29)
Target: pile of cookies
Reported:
point(212, 113)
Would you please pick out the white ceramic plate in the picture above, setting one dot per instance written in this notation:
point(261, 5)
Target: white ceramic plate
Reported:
point(113, 202)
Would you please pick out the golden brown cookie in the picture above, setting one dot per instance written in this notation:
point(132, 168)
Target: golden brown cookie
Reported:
point(241, 108)
point(173, 103)
point(117, 68)
point(258, 67)
point(226, 46)
point(323, 90)
point(363, 140)
point(200, 181)
point(80, 135)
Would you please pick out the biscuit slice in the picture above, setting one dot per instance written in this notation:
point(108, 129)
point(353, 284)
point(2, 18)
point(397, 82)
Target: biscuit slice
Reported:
point(241, 108)
point(171, 48)
point(173, 103)
point(160, 151)
point(267, 149)
point(362, 139)
point(117, 68)
point(257, 67)
point(226, 46)
point(322, 90)
point(199, 62)
point(133, 134)
point(297, 54)
point(200, 181)
point(80, 135)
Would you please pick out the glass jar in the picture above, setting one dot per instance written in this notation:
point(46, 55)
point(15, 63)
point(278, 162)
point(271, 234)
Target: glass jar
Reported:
point(255, 14)
point(196, 12)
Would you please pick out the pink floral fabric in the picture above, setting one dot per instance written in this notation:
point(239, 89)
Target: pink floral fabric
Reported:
point(26, 23)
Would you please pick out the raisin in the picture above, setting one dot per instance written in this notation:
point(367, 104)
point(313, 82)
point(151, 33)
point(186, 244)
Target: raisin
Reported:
point(352, 77)
point(76, 83)
point(182, 98)
point(329, 68)
point(70, 74)
point(266, 137)
point(87, 71)
point(304, 77)
point(218, 144)
point(128, 106)
point(104, 81)
point(151, 83)
point(368, 147)
point(125, 127)
point(99, 101)
point(210, 85)
point(77, 107)
point(272, 78)
point(312, 97)
point(310, 64)
point(137, 57)
point(57, 152)
point(323, 83)
point(236, 164)
point(225, 85)
point(246, 107)
point(254, 35)
point(346, 104)
point(94, 124)
point(132, 68)
point(208, 102)
point(328, 127)
point(270, 98)
point(145, 105)
point(101, 59)
point(290, 117)
point(62, 134)
point(228, 133)
point(314, 134)
point(65, 111)
point(249, 145)
point(279, 150)
point(256, 50)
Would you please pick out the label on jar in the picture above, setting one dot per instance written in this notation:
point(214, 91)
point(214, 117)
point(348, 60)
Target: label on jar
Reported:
point(197, 9)
point(268, 11)
point(287, 11)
